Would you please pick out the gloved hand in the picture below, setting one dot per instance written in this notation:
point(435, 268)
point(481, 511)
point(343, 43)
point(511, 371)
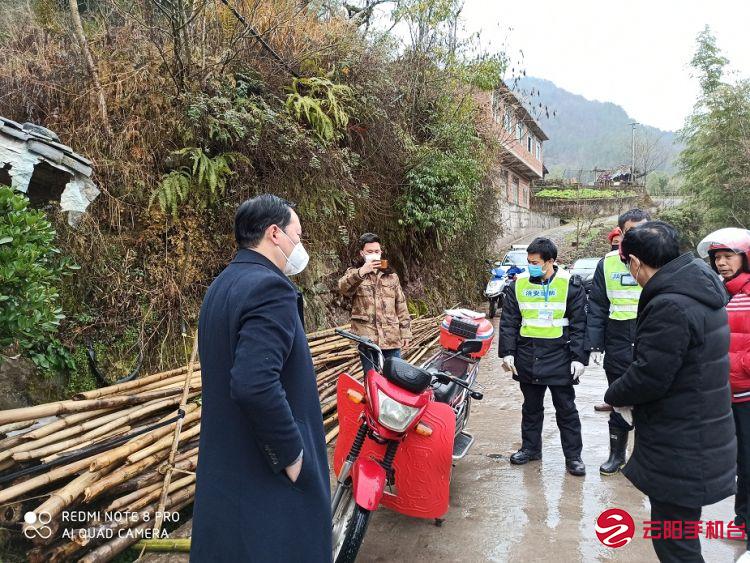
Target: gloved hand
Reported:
point(626, 413)
point(576, 369)
point(510, 362)
point(596, 357)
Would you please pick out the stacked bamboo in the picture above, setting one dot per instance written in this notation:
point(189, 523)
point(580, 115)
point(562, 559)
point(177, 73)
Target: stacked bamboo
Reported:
point(128, 478)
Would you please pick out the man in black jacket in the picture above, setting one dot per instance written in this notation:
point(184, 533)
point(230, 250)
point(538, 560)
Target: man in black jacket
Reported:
point(678, 384)
point(610, 329)
point(262, 484)
point(542, 330)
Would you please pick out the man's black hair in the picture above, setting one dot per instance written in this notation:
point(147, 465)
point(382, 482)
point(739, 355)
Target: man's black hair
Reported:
point(636, 215)
point(654, 243)
point(544, 247)
point(255, 215)
point(367, 238)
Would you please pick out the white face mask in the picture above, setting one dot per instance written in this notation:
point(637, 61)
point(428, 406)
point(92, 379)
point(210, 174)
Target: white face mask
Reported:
point(372, 257)
point(635, 277)
point(297, 260)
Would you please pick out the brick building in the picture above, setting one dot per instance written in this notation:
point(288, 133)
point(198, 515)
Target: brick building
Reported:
point(520, 161)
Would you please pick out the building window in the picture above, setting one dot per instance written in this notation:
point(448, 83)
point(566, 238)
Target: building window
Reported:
point(519, 131)
point(496, 102)
point(529, 144)
point(516, 190)
point(508, 121)
point(538, 150)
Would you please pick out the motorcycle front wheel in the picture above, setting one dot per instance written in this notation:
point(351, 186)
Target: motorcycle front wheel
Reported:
point(493, 308)
point(349, 527)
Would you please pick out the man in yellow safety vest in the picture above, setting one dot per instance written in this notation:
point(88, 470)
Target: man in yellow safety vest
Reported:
point(542, 329)
point(610, 331)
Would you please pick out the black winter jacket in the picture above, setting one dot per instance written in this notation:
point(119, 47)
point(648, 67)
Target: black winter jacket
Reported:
point(615, 338)
point(685, 447)
point(544, 361)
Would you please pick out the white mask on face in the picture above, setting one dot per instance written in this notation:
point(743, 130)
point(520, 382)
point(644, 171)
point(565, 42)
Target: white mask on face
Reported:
point(372, 257)
point(297, 260)
point(637, 271)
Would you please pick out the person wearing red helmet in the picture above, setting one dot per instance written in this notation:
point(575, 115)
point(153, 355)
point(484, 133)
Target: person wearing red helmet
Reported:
point(614, 237)
point(728, 251)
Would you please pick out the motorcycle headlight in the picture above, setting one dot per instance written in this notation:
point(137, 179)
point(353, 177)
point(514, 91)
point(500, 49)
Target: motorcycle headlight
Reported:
point(494, 285)
point(393, 414)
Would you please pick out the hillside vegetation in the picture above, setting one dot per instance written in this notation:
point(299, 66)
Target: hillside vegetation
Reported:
point(587, 134)
point(185, 114)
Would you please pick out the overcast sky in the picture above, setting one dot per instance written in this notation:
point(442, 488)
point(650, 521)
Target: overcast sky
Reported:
point(591, 47)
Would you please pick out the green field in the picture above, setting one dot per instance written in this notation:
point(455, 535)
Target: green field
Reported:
point(583, 193)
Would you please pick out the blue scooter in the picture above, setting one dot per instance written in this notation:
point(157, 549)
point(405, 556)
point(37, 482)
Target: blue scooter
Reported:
point(496, 286)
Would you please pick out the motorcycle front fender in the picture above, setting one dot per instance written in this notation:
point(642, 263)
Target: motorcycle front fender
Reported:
point(368, 483)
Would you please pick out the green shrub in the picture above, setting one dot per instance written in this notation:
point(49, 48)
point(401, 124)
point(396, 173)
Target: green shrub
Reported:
point(690, 221)
point(442, 185)
point(31, 270)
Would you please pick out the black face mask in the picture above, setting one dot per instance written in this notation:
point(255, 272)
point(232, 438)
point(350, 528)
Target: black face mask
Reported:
point(615, 247)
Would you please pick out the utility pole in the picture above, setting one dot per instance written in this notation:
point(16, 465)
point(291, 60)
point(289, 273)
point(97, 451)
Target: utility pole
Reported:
point(632, 165)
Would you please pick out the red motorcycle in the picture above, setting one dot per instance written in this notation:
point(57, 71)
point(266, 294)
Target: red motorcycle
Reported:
point(401, 431)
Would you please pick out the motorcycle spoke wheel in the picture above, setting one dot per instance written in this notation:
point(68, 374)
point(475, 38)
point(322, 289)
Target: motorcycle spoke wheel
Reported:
point(349, 527)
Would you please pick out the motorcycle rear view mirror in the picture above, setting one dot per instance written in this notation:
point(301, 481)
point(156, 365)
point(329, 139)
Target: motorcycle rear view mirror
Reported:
point(470, 347)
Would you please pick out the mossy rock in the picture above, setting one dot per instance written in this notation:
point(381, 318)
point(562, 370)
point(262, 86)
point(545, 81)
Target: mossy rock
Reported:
point(23, 385)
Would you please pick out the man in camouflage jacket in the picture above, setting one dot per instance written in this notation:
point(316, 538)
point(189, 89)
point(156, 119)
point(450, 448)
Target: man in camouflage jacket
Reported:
point(379, 309)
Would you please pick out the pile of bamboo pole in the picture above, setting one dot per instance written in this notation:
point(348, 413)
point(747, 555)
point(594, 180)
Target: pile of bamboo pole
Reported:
point(92, 507)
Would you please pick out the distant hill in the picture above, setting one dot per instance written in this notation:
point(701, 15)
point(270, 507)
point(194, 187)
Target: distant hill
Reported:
point(586, 134)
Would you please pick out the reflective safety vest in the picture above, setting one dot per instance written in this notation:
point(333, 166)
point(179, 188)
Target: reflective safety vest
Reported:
point(543, 306)
point(623, 299)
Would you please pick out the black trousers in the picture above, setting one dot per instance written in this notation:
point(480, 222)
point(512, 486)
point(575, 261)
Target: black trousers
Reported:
point(563, 397)
point(615, 418)
point(676, 550)
point(741, 412)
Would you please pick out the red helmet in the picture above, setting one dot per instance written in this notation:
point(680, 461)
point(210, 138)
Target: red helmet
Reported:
point(616, 232)
point(731, 239)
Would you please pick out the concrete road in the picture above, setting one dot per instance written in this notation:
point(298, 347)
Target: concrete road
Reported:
point(535, 512)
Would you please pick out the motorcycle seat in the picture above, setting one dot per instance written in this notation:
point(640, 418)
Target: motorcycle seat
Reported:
point(409, 377)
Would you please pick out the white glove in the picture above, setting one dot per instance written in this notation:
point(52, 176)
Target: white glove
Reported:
point(596, 357)
point(510, 362)
point(576, 369)
point(626, 413)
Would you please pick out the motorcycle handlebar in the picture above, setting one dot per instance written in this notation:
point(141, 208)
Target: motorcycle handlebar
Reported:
point(361, 339)
point(366, 342)
point(444, 377)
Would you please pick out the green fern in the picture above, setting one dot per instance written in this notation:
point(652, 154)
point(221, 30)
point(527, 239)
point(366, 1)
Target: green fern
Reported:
point(323, 104)
point(204, 180)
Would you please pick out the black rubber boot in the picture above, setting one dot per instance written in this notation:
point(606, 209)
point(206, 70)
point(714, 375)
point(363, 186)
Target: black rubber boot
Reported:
point(618, 445)
point(575, 467)
point(524, 456)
